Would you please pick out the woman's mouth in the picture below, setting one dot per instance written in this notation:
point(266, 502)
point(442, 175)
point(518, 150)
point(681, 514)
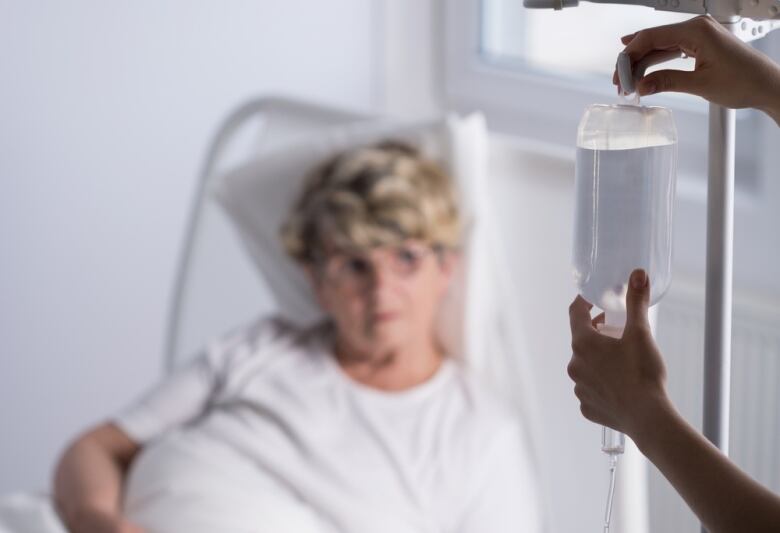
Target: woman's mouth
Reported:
point(384, 316)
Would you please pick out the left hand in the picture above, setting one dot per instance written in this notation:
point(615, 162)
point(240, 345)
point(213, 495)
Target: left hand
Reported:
point(620, 382)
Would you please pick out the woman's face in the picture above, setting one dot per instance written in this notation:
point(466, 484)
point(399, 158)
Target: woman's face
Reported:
point(383, 298)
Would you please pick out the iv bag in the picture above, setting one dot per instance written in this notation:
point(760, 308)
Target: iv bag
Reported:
point(625, 181)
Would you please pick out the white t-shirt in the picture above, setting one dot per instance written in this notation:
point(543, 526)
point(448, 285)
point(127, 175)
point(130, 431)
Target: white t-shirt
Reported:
point(265, 432)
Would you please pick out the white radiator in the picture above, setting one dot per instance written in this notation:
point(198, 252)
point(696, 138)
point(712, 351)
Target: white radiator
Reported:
point(755, 389)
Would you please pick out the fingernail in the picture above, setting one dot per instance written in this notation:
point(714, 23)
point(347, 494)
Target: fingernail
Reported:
point(639, 279)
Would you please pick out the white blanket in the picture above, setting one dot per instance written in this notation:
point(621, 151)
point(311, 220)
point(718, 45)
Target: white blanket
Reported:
point(28, 513)
point(216, 489)
point(35, 513)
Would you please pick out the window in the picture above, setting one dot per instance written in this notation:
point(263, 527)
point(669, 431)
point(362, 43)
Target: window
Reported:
point(533, 72)
point(525, 62)
point(531, 37)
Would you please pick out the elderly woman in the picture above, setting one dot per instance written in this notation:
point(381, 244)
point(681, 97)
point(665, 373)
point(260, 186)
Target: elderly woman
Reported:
point(362, 424)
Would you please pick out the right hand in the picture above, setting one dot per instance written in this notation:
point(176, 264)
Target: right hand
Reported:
point(621, 383)
point(728, 71)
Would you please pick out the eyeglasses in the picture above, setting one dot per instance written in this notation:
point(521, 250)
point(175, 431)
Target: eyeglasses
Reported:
point(357, 270)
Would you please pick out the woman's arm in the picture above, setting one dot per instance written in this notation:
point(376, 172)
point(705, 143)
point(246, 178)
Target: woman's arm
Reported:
point(621, 383)
point(89, 477)
point(724, 498)
point(88, 481)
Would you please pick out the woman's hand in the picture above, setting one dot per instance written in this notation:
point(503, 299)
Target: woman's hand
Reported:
point(98, 522)
point(621, 383)
point(88, 481)
point(728, 71)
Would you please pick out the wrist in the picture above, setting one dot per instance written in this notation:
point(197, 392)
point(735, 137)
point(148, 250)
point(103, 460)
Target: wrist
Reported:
point(91, 519)
point(770, 103)
point(657, 418)
point(774, 113)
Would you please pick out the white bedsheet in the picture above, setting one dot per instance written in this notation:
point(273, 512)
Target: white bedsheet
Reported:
point(28, 513)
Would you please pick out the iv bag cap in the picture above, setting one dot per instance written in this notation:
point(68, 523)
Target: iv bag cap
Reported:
point(625, 76)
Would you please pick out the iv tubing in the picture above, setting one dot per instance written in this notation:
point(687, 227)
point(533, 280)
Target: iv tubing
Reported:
point(608, 512)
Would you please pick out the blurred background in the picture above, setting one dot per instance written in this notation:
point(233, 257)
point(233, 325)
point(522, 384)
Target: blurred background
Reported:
point(108, 107)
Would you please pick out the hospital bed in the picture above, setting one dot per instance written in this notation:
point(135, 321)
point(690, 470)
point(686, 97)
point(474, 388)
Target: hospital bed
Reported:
point(211, 251)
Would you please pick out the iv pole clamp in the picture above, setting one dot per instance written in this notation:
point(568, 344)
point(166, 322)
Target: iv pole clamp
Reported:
point(748, 20)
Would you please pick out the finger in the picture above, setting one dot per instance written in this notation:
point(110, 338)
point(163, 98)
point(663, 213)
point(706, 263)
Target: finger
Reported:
point(583, 368)
point(678, 36)
point(576, 369)
point(592, 413)
point(600, 318)
point(639, 68)
point(579, 315)
point(653, 58)
point(681, 81)
point(581, 392)
point(637, 300)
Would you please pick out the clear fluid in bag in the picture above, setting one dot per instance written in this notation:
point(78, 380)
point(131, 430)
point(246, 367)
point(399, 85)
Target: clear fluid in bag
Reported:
point(623, 221)
point(625, 183)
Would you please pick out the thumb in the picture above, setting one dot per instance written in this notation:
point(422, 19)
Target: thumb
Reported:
point(681, 81)
point(637, 299)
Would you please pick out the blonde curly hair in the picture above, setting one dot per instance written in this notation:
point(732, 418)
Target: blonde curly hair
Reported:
point(372, 196)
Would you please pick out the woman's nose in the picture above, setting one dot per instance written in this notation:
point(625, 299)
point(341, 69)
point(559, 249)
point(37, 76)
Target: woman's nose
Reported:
point(380, 277)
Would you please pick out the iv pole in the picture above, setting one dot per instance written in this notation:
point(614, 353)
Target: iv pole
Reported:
point(748, 20)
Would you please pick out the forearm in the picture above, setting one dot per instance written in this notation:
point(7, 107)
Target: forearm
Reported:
point(774, 110)
point(724, 498)
point(88, 483)
point(769, 92)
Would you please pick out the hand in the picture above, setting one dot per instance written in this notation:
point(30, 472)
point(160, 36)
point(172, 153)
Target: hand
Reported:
point(97, 522)
point(728, 72)
point(123, 526)
point(621, 383)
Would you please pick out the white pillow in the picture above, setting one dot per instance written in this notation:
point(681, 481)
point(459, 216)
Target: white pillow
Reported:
point(258, 195)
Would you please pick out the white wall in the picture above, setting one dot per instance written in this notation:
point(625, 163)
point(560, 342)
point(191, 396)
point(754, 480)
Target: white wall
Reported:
point(105, 113)
point(412, 67)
